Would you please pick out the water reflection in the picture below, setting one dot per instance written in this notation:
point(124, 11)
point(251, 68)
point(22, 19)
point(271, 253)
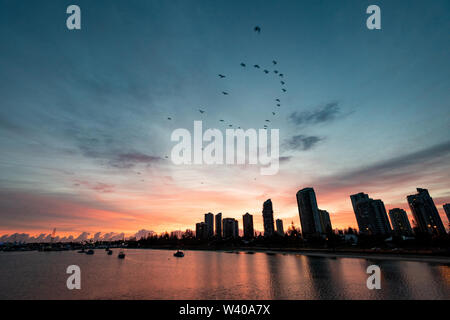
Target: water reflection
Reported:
point(156, 274)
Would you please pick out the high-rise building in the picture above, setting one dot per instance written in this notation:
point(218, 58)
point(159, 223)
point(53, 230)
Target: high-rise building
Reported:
point(248, 225)
point(400, 222)
point(325, 222)
point(425, 212)
point(280, 229)
point(218, 218)
point(309, 212)
point(200, 231)
point(370, 215)
point(209, 221)
point(230, 228)
point(447, 212)
point(267, 214)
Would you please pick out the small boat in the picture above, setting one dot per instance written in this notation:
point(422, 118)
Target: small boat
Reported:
point(178, 254)
point(121, 255)
point(90, 251)
point(109, 252)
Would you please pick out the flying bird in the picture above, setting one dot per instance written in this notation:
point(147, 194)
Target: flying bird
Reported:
point(278, 104)
point(281, 75)
point(267, 120)
point(222, 76)
point(282, 82)
point(274, 62)
point(230, 125)
point(169, 118)
point(256, 66)
point(266, 71)
point(277, 100)
point(225, 93)
point(201, 111)
point(273, 113)
point(242, 64)
point(275, 71)
point(221, 120)
point(284, 90)
point(257, 29)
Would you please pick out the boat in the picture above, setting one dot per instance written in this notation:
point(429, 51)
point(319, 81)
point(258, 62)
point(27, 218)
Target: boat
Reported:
point(90, 251)
point(109, 252)
point(178, 254)
point(121, 255)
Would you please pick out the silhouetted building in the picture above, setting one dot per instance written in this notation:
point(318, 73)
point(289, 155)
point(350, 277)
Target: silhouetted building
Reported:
point(400, 222)
point(425, 213)
point(219, 224)
point(370, 215)
point(268, 218)
point(201, 231)
point(309, 212)
point(325, 222)
point(209, 221)
point(248, 225)
point(230, 228)
point(447, 211)
point(280, 229)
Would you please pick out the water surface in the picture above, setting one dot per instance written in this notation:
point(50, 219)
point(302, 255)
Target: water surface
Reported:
point(156, 274)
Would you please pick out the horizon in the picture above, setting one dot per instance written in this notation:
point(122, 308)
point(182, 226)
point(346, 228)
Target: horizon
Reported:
point(87, 115)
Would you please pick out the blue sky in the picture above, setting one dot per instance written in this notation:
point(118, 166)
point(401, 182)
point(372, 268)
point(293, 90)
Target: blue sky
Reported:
point(84, 113)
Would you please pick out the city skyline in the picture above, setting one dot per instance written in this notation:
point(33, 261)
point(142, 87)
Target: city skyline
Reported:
point(397, 220)
point(85, 129)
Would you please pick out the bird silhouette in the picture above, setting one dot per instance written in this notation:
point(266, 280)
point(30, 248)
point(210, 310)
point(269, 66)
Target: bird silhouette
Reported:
point(242, 64)
point(281, 75)
point(273, 113)
point(282, 82)
point(284, 90)
point(277, 100)
point(201, 111)
point(221, 120)
point(169, 118)
point(222, 76)
point(257, 29)
point(230, 125)
point(256, 66)
point(267, 120)
point(278, 104)
point(274, 62)
point(275, 71)
point(225, 93)
point(266, 71)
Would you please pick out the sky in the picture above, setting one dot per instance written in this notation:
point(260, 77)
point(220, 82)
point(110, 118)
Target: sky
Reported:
point(84, 129)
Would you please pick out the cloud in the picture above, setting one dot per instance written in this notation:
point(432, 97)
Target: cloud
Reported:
point(432, 163)
point(323, 114)
point(128, 160)
point(302, 142)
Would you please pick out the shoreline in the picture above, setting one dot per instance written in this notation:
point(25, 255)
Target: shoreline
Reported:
point(324, 254)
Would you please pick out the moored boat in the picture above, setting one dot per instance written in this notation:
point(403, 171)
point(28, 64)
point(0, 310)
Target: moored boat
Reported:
point(178, 254)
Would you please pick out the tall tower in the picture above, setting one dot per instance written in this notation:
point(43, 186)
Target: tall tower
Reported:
point(267, 214)
point(370, 214)
point(309, 212)
point(209, 221)
point(248, 225)
point(425, 212)
point(400, 222)
point(280, 229)
point(218, 218)
point(447, 212)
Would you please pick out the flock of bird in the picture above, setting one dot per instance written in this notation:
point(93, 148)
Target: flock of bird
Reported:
point(257, 29)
